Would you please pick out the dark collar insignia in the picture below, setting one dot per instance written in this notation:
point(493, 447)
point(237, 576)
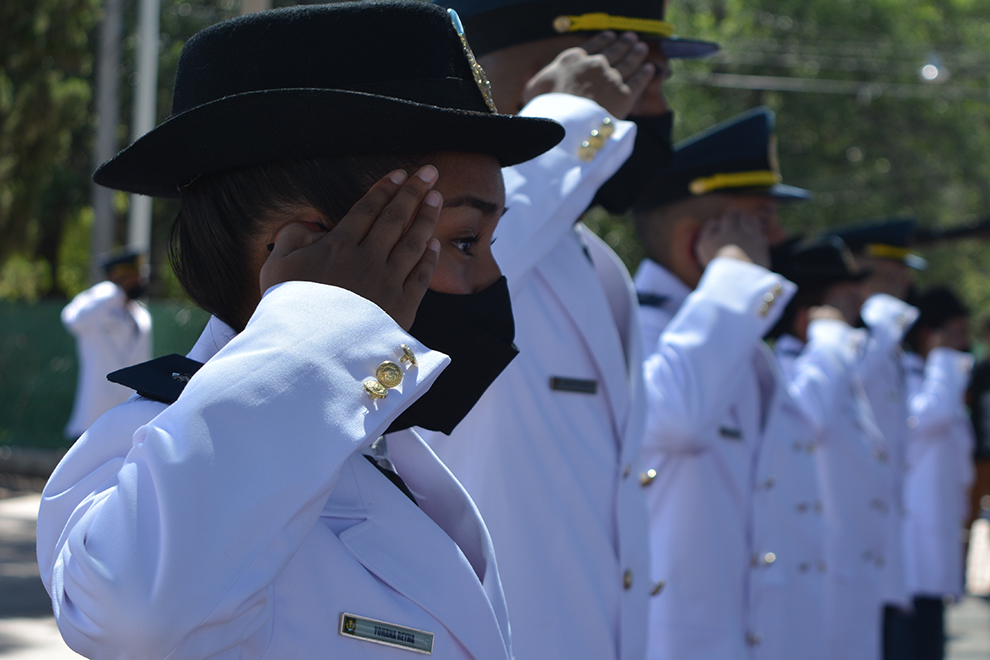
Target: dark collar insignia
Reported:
point(162, 379)
point(647, 299)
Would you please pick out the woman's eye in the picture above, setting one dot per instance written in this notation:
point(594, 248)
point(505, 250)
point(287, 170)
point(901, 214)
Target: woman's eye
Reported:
point(467, 244)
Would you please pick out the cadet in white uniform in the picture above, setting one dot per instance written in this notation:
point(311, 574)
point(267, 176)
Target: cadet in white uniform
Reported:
point(112, 330)
point(882, 248)
point(728, 490)
point(940, 464)
point(819, 355)
point(250, 508)
point(551, 452)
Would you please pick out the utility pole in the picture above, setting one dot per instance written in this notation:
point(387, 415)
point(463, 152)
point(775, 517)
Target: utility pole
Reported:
point(144, 119)
point(108, 116)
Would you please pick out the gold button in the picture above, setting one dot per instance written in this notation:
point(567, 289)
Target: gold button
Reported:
point(658, 587)
point(818, 507)
point(587, 152)
point(764, 309)
point(802, 507)
point(562, 24)
point(627, 579)
point(804, 567)
point(389, 374)
point(768, 297)
point(754, 639)
point(822, 567)
point(607, 128)
point(407, 356)
point(596, 139)
point(375, 389)
point(769, 558)
point(770, 482)
point(646, 478)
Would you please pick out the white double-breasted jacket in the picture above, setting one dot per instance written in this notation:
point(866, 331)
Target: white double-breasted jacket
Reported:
point(940, 471)
point(551, 451)
point(715, 409)
point(243, 521)
point(888, 320)
point(111, 333)
point(824, 381)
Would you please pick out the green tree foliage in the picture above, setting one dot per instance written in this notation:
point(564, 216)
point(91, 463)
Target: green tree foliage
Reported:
point(44, 119)
point(856, 120)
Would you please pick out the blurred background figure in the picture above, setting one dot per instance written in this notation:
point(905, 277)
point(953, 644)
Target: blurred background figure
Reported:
point(112, 330)
point(883, 247)
point(940, 468)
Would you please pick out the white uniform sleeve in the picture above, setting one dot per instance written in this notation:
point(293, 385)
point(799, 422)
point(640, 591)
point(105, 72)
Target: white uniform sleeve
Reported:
point(888, 319)
point(939, 401)
point(546, 196)
point(703, 349)
point(92, 306)
point(825, 365)
point(177, 529)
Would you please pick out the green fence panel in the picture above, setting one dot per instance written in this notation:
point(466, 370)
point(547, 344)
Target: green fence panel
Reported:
point(38, 365)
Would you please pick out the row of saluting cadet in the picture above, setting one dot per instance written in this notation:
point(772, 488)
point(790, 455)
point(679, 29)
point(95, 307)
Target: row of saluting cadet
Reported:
point(652, 480)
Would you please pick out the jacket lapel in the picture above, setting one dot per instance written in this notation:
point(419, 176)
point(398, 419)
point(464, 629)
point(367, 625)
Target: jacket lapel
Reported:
point(431, 571)
point(581, 292)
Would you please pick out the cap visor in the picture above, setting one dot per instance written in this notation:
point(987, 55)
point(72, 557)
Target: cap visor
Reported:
point(676, 48)
point(785, 193)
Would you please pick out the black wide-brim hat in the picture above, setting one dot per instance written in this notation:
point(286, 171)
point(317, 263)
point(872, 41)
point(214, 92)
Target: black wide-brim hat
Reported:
point(324, 80)
point(496, 24)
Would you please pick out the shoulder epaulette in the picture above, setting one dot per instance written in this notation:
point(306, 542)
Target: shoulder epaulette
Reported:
point(161, 379)
point(647, 299)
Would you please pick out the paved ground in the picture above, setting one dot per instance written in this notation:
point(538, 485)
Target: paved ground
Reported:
point(28, 631)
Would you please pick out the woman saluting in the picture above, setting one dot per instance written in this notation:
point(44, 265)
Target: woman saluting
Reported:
point(333, 163)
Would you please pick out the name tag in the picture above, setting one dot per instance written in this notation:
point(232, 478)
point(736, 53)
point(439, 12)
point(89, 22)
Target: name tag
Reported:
point(731, 434)
point(573, 385)
point(372, 630)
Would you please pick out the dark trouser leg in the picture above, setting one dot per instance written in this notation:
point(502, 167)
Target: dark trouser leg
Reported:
point(898, 641)
point(928, 628)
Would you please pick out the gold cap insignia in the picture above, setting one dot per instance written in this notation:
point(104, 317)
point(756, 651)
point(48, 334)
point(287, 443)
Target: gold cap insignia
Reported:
point(480, 78)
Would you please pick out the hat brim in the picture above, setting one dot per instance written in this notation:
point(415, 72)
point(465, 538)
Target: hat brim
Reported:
point(676, 48)
point(282, 124)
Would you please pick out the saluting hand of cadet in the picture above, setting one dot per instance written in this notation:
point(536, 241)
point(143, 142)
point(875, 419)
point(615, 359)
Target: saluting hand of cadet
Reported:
point(733, 235)
point(610, 70)
point(381, 249)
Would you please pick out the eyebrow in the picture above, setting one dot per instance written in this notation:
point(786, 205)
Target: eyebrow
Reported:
point(483, 205)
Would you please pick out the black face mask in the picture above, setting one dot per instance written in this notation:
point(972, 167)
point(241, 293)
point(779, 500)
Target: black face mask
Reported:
point(651, 156)
point(476, 330)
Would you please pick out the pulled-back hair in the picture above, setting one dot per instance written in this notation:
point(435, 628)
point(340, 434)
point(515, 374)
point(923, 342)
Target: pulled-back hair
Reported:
point(224, 212)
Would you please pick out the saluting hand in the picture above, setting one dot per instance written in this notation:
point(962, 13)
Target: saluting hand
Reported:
point(611, 71)
point(734, 235)
point(381, 250)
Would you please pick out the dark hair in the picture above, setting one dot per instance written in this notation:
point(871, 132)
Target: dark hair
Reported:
point(224, 211)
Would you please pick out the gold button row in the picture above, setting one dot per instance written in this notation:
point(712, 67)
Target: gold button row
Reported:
point(769, 298)
point(596, 140)
point(388, 375)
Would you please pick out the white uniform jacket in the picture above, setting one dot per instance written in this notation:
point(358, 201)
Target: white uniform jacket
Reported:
point(940, 471)
point(111, 333)
point(710, 386)
point(789, 571)
point(242, 521)
point(888, 319)
point(849, 449)
point(550, 453)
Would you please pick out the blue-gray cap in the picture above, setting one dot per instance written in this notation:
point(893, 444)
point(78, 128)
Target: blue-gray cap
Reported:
point(737, 157)
point(887, 238)
point(495, 24)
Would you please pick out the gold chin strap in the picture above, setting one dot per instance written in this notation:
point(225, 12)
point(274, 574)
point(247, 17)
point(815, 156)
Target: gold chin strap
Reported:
point(597, 22)
point(759, 179)
point(886, 251)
